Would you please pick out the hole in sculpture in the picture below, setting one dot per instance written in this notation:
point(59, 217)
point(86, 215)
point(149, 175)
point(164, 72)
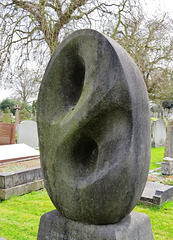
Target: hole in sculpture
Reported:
point(73, 79)
point(85, 153)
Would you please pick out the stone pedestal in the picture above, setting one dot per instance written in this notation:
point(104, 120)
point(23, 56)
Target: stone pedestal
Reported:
point(135, 226)
point(167, 166)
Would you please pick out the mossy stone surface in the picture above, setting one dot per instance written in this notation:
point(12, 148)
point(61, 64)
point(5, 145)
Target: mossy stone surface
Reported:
point(94, 129)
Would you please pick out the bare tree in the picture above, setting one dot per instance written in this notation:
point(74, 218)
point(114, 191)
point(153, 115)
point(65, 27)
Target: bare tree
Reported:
point(150, 43)
point(25, 85)
point(32, 29)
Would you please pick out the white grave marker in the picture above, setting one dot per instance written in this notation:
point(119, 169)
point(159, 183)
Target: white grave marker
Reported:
point(27, 133)
point(159, 133)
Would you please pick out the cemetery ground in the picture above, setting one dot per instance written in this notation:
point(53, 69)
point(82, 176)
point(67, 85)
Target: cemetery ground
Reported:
point(20, 215)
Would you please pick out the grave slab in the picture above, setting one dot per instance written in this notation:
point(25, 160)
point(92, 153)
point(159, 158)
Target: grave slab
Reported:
point(14, 152)
point(21, 189)
point(9, 180)
point(157, 193)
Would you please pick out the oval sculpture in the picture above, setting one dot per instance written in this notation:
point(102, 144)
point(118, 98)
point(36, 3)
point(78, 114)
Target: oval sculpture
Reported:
point(94, 129)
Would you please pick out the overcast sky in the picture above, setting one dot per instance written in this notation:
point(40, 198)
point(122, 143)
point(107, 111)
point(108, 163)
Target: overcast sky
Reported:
point(152, 7)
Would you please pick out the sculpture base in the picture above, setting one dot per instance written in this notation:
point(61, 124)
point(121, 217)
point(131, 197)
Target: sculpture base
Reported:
point(135, 226)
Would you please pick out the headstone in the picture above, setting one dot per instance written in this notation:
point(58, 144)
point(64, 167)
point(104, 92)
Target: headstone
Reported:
point(7, 133)
point(160, 112)
point(169, 139)
point(94, 131)
point(27, 133)
point(17, 107)
point(171, 110)
point(165, 113)
point(159, 133)
point(169, 115)
point(1, 115)
point(155, 114)
point(167, 164)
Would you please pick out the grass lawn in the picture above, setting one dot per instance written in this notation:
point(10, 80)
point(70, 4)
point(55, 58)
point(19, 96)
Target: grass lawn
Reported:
point(20, 216)
point(157, 155)
point(161, 219)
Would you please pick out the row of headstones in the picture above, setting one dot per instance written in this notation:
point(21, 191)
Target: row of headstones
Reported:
point(26, 133)
point(166, 113)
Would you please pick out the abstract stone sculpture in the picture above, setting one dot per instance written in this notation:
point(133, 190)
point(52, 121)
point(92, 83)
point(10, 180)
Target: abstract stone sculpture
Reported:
point(94, 129)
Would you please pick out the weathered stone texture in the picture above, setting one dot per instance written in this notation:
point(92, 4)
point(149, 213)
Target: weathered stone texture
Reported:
point(94, 129)
point(167, 166)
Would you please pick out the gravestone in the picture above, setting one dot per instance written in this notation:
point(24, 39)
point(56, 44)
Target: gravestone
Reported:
point(169, 139)
point(27, 133)
point(159, 133)
point(1, 115)
point(160, 112)
point(94, 132)
point(7, 133)
point(155, 114)
point(165, 113)
point(167, 164)
point(171, 111)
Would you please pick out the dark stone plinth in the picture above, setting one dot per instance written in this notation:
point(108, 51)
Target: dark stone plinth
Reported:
point(135, 226)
